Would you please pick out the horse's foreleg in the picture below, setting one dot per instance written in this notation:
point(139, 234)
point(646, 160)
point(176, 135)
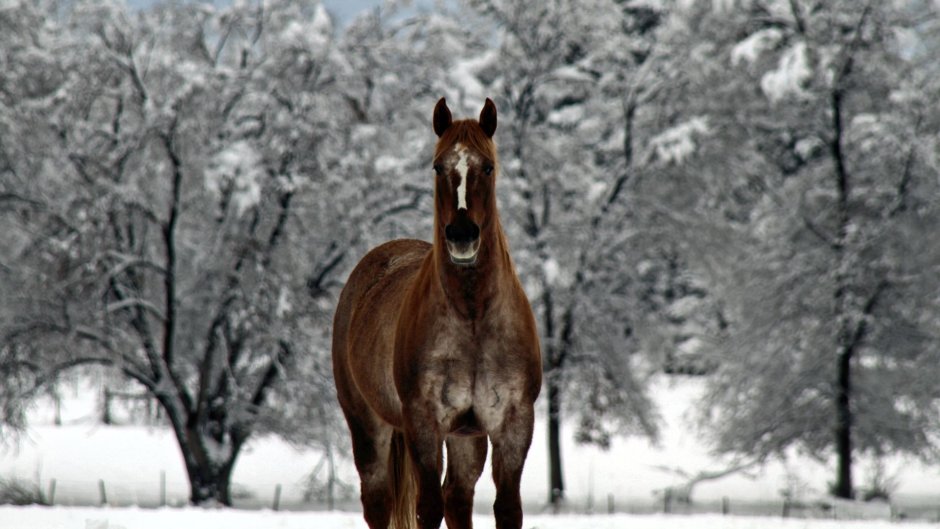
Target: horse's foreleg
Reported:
point(425, 446)
point(465, 459)
point(510, 446)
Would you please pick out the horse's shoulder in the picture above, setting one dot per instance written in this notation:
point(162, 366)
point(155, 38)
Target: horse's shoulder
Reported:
point(404, 250)
point(390, 259)
point(396, 256)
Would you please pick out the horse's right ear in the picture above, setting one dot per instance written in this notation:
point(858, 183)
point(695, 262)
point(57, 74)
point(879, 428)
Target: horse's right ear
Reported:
point(442, 117)
point(488, 118)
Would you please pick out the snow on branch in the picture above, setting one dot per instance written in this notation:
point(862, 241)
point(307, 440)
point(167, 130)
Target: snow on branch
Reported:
point(791, 76)
point(751, 48)
point(675, 144)
point(237, 170)
point(683, 491)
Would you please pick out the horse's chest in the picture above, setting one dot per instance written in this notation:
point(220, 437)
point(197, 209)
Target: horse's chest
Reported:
point(467, 371)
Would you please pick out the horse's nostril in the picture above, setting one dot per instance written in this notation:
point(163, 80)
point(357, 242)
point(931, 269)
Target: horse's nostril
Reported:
point(462, 232)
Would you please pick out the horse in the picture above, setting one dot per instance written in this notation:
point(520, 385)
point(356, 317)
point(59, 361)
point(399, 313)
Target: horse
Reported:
point(435, 344)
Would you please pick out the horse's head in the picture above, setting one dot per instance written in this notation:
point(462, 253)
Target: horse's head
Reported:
point(465, 167)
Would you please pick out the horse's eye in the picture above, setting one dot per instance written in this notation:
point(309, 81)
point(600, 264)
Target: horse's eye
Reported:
point(487, 169)
point(439, 169)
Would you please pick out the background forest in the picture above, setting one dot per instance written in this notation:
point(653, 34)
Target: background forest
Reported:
point(747, 190)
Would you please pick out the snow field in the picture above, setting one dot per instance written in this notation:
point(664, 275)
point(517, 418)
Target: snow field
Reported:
point(131, 459)
point(134, 518)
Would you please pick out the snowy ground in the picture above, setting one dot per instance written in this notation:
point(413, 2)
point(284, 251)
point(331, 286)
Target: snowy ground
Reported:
point(132, 461)
point(91, 518)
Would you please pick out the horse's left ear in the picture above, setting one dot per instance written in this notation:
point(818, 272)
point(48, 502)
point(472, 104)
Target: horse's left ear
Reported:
point(488, 118)
point(442, 118)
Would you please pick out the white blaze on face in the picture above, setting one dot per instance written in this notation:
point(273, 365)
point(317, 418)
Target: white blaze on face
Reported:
point(462, 169)
point(459, 160)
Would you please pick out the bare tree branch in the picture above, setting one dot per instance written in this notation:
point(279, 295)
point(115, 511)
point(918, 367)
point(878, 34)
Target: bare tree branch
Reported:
point(136, 303)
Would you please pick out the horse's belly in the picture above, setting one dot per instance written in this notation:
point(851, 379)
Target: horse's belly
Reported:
point(378, 390)
point(371, 366)
point(379, 282)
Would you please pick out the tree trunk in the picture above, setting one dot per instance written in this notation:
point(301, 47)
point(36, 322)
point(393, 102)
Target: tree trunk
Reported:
point(210, 485)
point(843, 394)
point(209, 470)
point(556, 480)
point(843, 487)
point(553, 371)
point(210, 475)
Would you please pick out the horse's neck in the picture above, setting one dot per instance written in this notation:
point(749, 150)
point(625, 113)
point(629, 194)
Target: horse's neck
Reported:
point(470, 289)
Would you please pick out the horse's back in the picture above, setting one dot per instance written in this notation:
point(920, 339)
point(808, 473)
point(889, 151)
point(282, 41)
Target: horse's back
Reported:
point(364, 326)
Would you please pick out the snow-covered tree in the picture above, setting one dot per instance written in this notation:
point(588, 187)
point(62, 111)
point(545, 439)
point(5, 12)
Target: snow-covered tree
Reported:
point(163, 219)
point(816, 161)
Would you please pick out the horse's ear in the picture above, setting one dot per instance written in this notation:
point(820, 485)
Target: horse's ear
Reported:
point(488, 118)
point(442, 117)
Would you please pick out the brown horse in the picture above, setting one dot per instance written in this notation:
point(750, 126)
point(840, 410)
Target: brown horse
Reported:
point(436, 344)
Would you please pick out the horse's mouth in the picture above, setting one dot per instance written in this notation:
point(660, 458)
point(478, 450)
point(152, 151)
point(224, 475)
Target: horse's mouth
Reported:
point(463, 254)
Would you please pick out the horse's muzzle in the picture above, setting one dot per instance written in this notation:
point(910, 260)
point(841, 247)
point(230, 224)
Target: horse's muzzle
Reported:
point(463, 241)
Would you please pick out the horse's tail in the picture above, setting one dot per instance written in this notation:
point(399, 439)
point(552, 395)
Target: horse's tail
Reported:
point(404, 484)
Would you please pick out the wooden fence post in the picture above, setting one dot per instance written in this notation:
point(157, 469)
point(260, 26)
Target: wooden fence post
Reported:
point(331, 478)
point(106, 407)
point(277, 497)
point(104, 495)
point(51, 496)
point(163, 488)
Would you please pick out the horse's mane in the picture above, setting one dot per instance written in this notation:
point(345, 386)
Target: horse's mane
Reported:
point(469, 133)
